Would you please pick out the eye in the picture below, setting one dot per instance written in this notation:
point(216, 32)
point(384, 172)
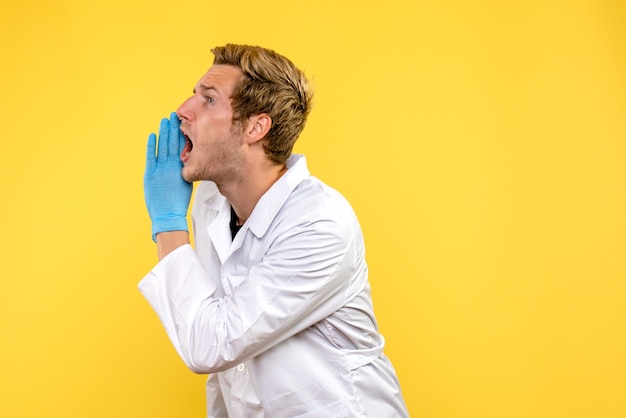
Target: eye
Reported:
point(209, 99)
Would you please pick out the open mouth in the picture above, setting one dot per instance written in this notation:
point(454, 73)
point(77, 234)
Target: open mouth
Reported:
point(184, 155)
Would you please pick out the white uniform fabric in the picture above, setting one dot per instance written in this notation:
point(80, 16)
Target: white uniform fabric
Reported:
point(281, 316)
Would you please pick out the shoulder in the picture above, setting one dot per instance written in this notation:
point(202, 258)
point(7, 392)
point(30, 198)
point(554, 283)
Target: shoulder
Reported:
point(313, 203)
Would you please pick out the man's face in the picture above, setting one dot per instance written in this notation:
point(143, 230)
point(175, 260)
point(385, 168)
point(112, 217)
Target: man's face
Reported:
point(214, 149)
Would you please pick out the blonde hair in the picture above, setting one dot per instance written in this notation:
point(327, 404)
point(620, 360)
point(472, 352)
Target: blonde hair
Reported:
point(271, 84)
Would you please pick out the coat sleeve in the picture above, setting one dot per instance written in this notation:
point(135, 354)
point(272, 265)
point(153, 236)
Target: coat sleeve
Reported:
point(307, 272)
point(176, 288)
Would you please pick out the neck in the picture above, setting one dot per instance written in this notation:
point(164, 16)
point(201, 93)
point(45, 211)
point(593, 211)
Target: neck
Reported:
point(243, 194)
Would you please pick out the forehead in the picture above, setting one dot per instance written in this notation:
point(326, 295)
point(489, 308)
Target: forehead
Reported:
point(221, 77)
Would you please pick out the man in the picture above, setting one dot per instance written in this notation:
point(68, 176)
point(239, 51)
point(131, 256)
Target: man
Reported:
point(274, 303)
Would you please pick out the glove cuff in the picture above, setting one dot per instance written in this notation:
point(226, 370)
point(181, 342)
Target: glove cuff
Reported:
point(169, 223)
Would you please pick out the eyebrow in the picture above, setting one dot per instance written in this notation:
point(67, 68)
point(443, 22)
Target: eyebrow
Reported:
point(206, 88)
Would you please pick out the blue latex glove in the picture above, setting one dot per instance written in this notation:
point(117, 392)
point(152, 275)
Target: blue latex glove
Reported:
point(167, 194)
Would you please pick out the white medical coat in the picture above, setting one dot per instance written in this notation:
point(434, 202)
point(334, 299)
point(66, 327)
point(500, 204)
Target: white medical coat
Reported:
point(281, 316)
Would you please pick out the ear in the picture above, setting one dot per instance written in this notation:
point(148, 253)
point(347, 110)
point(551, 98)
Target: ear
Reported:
point(257, 128)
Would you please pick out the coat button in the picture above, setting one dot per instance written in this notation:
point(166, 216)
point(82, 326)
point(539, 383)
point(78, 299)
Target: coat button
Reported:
point(241, 367)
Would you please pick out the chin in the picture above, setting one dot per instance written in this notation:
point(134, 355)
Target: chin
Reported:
point(191, 176)
point(187, 175)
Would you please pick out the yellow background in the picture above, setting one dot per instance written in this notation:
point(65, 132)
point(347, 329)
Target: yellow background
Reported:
point(481, 143)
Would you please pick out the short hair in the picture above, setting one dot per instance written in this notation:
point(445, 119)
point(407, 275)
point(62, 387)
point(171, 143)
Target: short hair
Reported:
point(271, 84)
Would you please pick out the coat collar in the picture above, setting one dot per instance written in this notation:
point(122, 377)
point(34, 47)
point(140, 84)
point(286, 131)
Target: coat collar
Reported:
point(270, 203)
point(263, 213)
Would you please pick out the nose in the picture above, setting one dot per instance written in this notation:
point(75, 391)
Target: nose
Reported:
point(185, 110)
